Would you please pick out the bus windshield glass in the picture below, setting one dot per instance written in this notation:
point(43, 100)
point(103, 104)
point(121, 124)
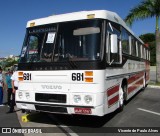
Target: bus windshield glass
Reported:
point(74, 41)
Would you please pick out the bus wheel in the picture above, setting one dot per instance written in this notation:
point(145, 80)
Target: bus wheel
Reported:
point(121, 99)
point(144, 82)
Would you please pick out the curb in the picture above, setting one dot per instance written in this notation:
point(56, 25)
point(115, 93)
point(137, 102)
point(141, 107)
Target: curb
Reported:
point(153, 86)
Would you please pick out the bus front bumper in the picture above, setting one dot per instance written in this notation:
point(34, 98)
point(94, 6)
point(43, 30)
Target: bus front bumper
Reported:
point(61, 109)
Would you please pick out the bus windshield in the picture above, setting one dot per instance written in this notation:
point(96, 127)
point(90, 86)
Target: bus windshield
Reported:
point(75, 41)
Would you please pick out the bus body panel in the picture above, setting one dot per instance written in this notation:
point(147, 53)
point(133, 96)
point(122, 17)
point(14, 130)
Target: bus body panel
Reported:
point(40, 84)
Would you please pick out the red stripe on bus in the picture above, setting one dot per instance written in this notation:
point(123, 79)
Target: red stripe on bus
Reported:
point(135, 77)
point(112, 90)
point(135, 86)
point(113, 100)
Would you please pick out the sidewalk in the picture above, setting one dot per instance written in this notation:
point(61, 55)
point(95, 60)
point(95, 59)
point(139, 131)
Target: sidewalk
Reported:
point(153, 77)
point(153, 86)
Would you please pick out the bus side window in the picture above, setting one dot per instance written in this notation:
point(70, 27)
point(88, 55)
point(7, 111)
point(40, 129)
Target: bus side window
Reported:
point(142, 49)
point(144, 53)
point(113, 29)
point(139, 50)
point(133, 46)
point(125, 41)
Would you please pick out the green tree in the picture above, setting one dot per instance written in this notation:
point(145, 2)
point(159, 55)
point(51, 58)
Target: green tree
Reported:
point(149, 38)
point(148, 9)
point(8, 63)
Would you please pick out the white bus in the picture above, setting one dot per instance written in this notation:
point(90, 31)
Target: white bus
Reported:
point(86, 63)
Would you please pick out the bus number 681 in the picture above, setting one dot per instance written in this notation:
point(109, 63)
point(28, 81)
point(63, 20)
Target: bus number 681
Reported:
point(77, 76)
point(27, 76)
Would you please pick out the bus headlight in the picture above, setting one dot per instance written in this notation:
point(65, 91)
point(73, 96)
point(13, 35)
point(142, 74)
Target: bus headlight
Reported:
point(20, 95)
point(77, 98)
point(27, 95)
point(88, 99)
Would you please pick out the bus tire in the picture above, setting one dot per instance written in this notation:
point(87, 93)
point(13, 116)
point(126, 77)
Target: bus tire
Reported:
point(122, 97)
point(144, 82)
point(121, 100)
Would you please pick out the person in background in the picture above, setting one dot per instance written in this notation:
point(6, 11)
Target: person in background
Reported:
point(14, 82)
point(1, 88)
point(9, 86)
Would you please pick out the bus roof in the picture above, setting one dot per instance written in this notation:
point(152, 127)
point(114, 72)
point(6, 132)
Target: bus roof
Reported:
point(82, 15)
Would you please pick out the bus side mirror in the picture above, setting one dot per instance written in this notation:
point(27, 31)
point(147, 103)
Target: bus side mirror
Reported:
point(114, 44)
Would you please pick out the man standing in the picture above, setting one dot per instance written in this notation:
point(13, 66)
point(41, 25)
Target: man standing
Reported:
point(9, 86)
point(1, 88)
point(14, 79)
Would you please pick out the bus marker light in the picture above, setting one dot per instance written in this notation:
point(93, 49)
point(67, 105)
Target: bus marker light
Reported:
point(90, 16)
point(83, 110)
point(20, 73)
point(88, 79)
point(88, 73)
point(20, 78)
point(32, 24)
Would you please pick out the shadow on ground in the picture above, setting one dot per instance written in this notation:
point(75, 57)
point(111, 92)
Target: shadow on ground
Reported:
point(76, 121)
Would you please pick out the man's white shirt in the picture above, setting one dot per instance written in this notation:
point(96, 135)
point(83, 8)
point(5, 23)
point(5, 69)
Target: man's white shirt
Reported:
point(14, 77)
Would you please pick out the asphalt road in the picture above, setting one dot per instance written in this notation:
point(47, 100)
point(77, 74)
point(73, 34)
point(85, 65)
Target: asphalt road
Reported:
point(8, 120)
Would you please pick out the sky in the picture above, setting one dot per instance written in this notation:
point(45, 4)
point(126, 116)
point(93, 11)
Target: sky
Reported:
point(14, 15)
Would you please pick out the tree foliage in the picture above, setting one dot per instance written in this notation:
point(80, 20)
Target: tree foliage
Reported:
point(146, 38)
point(146, 9)
point(8, 63)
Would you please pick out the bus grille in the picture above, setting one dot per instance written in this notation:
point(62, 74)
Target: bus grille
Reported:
point(56, 98)
point(51, 109)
